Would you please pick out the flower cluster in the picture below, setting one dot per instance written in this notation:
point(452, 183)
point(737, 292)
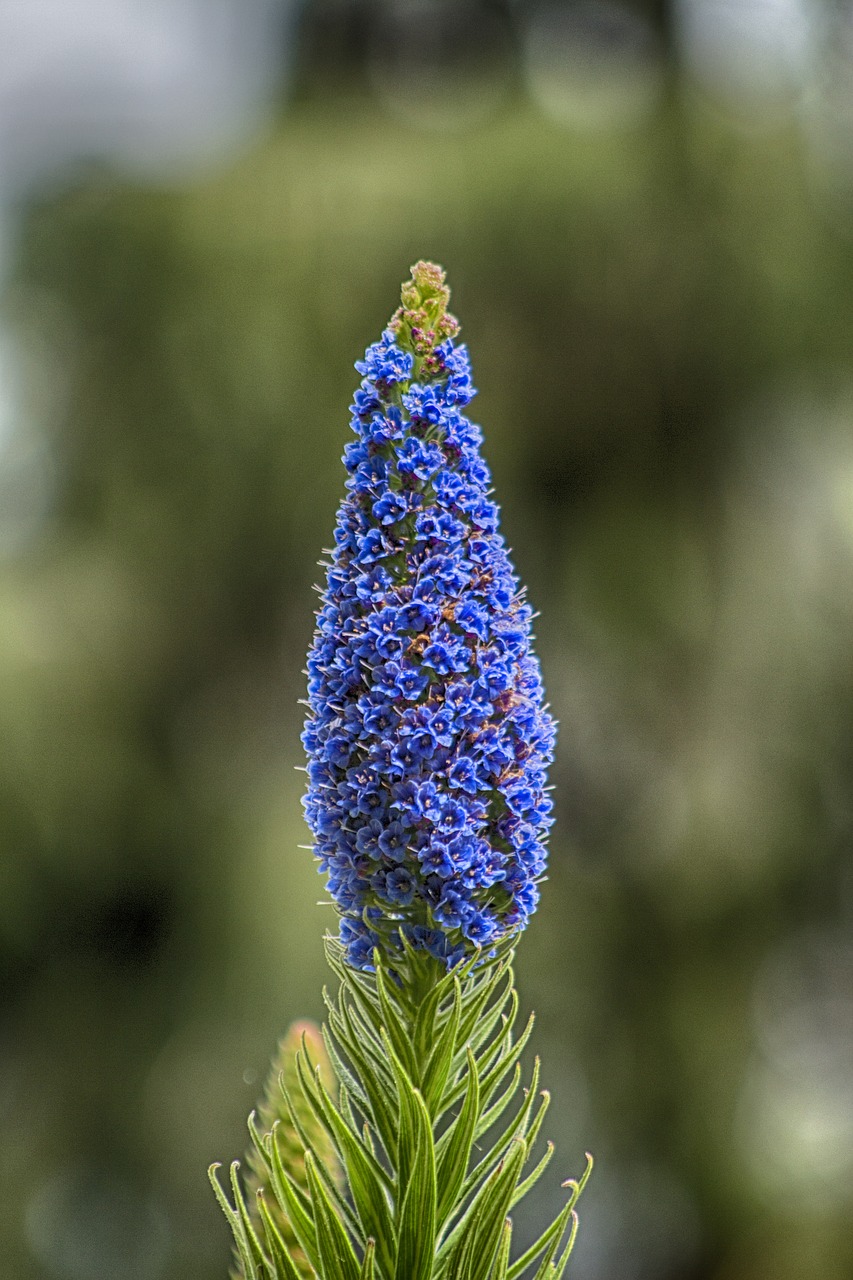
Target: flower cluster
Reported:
point(427, 737)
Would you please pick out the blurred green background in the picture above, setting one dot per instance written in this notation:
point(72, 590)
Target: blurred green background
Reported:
point(646, 219)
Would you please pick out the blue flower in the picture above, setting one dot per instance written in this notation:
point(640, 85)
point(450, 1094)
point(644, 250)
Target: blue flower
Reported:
point(417, 458)
point(427, 736)
point(400, 886)
point(394, 841)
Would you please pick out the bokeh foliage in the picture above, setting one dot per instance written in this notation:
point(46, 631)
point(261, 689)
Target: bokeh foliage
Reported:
point(660, 324)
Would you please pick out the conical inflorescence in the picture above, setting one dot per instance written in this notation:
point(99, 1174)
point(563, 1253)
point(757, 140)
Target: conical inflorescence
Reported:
point(427, 735)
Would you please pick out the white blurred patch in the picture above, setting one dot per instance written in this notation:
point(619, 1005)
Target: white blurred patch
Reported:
point(795, 1120)
point(150, 85)
point(439, 67)
point(828, 110)
point(752, 57)
point(592, 65)
point(26, 466)
point(155, 88)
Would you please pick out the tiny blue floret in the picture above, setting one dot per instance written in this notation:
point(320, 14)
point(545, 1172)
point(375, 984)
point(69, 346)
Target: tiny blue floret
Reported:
point(427, 736)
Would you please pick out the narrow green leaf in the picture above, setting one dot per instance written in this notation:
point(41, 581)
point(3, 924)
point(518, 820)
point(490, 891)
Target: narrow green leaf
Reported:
point(481, 987)
point(501, 1069)
point(548, 1242)
point(322, 1107)
point(351, 978)
point(357, 1124)
point(533, 1131)
point(222, 1199)
point(489, 1060)
point(516, 1132)
point(458, 979)
point(379, 1089)
point(486, 1003)
point(438, 1065)
point(560, 1266)
point(406, 1120)
point(395, 1029)
point(493, 1113)
point(498, 1271)
point(360, 1031)
point(258, 1138)
point(345, 1077)
point(337, 1256)
point(423, 1035)
point(477, 1237)
point(477, 1026)
point(296, 1205)
point(235, 1221)
point(530, 1181)
point(577, 1184)
point(285, 1268)
point(254, 1243)
point(373, 1074)
point(366, 1178)
point(531, 1094)
point(416, 1236)
point(332, 1189)
point(450, 1245)
point(360, 989)
point(367, 1263)
point(350, 1140)
point(491, 1227)
point(453, 1162)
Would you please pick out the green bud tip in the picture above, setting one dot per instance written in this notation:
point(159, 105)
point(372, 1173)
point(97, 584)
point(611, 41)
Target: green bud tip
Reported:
point(423, 322)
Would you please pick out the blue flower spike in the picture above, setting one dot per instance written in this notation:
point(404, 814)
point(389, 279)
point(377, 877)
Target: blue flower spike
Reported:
point(427, 735)
point(428, 742)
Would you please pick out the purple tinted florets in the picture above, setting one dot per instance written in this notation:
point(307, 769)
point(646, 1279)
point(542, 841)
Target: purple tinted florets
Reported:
point(426, 735)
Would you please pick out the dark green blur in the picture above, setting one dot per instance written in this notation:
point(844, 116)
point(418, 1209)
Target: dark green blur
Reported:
point(660, 326)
